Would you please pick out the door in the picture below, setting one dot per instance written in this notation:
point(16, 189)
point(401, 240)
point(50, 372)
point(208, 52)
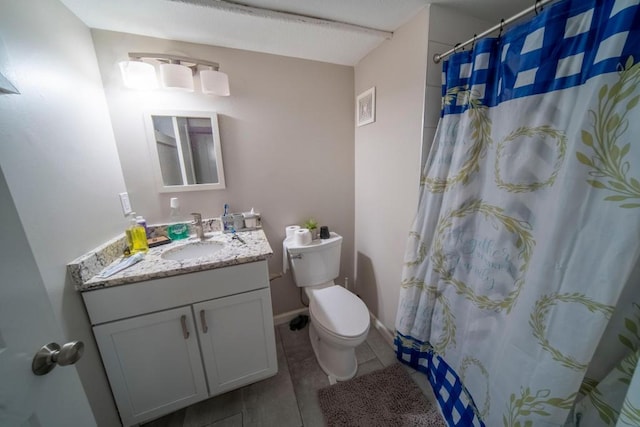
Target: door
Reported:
point(237, 339)
point(27, 323)
point(153, 363)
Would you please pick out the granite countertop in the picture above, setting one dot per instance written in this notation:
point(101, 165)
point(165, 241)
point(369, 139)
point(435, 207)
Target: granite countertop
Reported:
point(84, 269)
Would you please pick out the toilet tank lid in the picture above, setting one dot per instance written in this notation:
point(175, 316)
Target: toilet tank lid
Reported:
point(340, 311)
point(293, 248)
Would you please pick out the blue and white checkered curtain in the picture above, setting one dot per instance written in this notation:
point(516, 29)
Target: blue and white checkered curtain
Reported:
point(520, 297)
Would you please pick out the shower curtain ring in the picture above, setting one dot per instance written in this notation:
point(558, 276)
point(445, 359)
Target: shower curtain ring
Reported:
point(535, 7)
point(499, 39)
point(455, 47)
point(473, 45)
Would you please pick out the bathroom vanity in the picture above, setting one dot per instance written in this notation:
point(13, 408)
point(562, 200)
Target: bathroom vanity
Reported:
point(172, 333)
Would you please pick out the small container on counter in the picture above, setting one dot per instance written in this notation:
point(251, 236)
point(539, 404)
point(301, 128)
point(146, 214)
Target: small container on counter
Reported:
point(238, 221)
point(250, 219)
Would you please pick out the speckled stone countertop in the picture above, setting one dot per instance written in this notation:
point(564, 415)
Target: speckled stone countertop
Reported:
point(84, 269)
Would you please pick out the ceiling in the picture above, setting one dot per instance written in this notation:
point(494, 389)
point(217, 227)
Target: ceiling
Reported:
point(335, 31)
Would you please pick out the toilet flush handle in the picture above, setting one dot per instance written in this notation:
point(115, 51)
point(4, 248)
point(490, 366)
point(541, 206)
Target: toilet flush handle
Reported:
point(297, 256)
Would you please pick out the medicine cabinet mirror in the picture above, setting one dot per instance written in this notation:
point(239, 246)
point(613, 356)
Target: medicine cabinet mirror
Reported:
point(185, 150)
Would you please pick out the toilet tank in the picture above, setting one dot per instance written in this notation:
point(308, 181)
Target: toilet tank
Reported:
point(315, 263)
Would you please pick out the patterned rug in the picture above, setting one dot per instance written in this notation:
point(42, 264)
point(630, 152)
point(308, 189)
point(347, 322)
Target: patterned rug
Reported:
point(385, 398)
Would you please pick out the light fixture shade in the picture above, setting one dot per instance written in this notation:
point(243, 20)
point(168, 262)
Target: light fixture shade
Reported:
point(138, 75)
point(176, 76)
point(214, 82)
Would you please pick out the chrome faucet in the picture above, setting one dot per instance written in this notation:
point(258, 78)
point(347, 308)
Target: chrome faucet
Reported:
point(197, 223)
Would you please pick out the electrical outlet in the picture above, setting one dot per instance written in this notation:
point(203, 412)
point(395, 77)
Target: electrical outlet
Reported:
point(126, 204)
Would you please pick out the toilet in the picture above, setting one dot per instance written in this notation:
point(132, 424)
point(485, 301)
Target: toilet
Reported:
point(339, 319)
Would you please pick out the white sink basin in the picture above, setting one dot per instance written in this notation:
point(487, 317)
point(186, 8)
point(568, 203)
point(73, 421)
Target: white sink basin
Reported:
point(193, 250)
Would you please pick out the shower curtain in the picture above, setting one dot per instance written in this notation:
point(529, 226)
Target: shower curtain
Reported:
point(520, 294)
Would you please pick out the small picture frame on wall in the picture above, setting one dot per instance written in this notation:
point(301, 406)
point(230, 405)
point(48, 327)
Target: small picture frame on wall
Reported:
point(366, 107)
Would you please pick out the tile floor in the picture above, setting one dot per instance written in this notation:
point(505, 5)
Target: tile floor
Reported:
point(288, 399)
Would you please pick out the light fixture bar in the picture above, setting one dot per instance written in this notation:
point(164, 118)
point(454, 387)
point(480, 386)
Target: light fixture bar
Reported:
point(163, 57)
point(176, 73)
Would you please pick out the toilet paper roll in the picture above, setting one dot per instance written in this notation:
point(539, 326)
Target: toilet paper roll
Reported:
point(302, 237)
point(290, 230)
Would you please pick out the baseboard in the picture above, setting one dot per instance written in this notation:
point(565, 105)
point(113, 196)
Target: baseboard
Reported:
point(286, 317)
point(386, 334)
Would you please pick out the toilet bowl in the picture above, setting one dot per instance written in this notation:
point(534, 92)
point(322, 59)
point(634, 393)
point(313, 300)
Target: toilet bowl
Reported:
point(339, 323)
point(339, 319)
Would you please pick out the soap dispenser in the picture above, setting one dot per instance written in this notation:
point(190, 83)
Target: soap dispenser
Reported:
point(178, 229)
point(136, 236)
point(143, 222)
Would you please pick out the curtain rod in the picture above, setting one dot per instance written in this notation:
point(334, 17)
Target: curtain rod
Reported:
point(537, 4)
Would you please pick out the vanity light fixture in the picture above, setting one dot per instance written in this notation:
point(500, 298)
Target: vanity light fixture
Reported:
point(214, 82)
point(138, 75)
point(176, 76)
point(176, 73)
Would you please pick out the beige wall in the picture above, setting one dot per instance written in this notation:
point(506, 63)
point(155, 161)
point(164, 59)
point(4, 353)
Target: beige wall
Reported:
point(287, 142)
point(387, 165)
point(60, 161)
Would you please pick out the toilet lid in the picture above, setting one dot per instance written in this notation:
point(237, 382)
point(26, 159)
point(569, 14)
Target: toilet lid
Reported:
point(339, 311)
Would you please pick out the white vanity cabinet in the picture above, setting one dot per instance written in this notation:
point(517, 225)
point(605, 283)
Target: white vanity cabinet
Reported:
point(151, 367)
point(236, 347)
point(170, 342)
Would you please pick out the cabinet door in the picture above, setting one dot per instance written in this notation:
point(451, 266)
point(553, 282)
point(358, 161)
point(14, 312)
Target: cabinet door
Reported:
point(153, 363)
point(237, 339)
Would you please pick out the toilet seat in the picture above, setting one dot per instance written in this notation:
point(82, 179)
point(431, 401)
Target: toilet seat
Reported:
point(339, 312)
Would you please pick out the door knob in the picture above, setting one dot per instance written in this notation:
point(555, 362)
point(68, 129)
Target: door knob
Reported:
point(52, 354)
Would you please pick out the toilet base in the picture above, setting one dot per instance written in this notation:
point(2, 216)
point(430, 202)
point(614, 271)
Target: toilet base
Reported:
point(339, 363)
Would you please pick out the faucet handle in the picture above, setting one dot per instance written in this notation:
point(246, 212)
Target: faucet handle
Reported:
point(197, 217)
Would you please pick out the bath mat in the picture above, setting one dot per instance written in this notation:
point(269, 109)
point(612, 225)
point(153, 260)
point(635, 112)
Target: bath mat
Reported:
point(385, 398)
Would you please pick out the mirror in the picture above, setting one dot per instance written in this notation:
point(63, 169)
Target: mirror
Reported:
point(185, 150)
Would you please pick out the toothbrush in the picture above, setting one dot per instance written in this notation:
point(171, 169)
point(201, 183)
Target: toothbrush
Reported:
point(235, 236)
point(225, 224)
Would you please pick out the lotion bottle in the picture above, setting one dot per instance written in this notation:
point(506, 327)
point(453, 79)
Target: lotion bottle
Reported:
point(143, 222)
